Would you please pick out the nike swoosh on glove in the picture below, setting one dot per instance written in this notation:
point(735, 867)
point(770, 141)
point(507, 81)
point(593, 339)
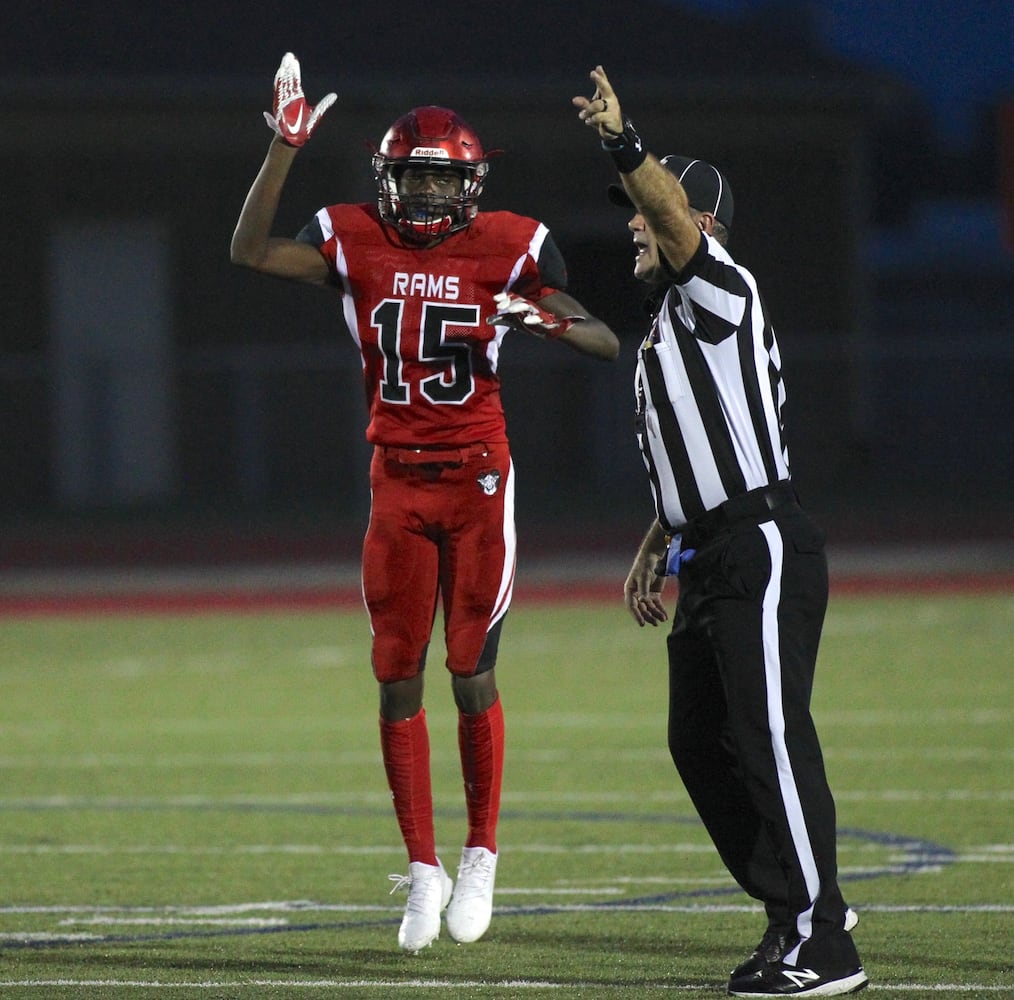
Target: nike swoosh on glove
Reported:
point(294, 120)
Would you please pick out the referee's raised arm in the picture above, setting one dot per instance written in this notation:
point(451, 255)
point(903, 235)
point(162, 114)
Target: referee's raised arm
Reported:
point(653, 191)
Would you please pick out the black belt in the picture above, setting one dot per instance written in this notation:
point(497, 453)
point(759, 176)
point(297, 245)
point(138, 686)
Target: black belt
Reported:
point(755, 506)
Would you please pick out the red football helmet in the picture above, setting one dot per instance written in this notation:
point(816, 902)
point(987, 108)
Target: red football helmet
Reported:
point(431, 138)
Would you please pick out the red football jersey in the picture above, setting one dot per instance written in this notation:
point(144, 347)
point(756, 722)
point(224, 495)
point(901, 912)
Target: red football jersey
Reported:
point(419, 317)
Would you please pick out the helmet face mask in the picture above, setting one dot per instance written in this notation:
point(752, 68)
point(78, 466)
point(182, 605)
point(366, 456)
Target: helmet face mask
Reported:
point(429, 140)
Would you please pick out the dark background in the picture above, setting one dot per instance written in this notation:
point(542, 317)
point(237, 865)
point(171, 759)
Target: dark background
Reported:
point(866, 150)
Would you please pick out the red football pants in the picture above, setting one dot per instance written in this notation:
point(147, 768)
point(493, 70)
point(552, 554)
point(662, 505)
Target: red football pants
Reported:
point(441, 525)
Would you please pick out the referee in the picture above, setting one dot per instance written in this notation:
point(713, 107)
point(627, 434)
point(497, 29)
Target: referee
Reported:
point(751, 564)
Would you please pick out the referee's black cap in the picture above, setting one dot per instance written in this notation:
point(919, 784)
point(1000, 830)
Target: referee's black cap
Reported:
point(706, 187)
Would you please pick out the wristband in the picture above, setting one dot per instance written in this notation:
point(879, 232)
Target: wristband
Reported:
point(626, 148)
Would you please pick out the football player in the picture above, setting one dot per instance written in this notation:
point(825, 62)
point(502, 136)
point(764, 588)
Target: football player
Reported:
point(429, 286)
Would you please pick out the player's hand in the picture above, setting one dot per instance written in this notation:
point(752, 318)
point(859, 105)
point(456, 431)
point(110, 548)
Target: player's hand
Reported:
point(294, 120)
point(601, 111)
point(642, 592)
point(521, 314)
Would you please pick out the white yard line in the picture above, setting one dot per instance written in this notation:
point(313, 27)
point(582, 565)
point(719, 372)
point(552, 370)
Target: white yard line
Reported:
point(89, 761)
point(892, 853)
point(388, 985)
point(379, 798)
point(201, 914)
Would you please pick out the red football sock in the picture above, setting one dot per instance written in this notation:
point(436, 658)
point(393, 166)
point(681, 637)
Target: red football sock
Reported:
point(406, 749)
point(481, 740)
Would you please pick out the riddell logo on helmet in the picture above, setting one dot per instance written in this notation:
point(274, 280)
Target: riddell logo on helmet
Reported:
point(430, 151)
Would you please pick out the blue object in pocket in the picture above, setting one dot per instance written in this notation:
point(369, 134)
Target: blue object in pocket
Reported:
point(674, 558)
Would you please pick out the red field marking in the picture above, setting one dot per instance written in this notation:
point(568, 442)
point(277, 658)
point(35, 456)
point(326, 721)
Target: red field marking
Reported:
point(198, 601)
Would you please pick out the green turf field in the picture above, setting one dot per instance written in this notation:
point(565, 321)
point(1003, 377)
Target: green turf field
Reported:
point(194, 805)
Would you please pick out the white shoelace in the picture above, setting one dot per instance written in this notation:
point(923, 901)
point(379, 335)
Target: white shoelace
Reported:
point(401, 882)
point(416, 901)
point(474, 876)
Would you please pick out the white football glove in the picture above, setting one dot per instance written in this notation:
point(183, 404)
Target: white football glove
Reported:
point(521, 314)
point(293, 119)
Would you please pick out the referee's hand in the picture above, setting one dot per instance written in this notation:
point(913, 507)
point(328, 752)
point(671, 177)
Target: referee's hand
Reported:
point(643, 595)
point(601, 111)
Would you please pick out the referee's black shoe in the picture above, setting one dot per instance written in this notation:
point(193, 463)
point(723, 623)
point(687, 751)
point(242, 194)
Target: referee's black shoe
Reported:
point(781, 980)
point(774, 945)
point(772, 948)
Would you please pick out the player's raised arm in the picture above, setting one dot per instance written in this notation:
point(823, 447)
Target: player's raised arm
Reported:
point(293, 122)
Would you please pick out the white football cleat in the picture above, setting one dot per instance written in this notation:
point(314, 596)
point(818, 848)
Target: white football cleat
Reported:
point(429, 892)
point(471, 907)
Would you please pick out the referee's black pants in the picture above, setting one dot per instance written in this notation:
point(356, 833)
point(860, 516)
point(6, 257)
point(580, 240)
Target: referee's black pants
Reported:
point(742, 652)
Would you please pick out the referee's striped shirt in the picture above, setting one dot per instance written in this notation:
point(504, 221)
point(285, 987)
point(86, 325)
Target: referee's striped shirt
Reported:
point(709, 391)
